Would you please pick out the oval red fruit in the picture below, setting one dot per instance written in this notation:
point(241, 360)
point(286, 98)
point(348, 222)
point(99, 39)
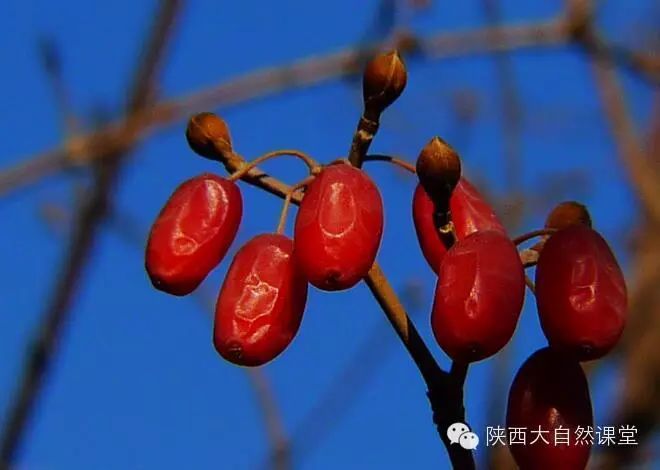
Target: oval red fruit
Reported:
point(580, 293)
point(469, 212)
point(338, 228)
point(549, 402)
point(261, 303)
point(479, 296)
point(192, 233)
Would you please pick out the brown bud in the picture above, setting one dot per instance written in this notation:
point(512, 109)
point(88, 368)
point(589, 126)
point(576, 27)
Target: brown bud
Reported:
point(438, 169)
point(208, 136)
point(566, 214)
point(383, 82)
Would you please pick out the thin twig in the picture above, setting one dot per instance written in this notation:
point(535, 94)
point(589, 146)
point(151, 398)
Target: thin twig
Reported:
point(400, 162)
point(312, 165)
point(287, 202)
point(534, 233)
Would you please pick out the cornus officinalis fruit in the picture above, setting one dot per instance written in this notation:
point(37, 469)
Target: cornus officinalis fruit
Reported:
point(580, 293)
point(479, 295)
point(338, 227)
point(550, 391)
point(192, 233)
point(261, 302)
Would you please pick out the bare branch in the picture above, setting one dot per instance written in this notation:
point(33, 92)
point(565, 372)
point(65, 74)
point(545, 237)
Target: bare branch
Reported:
point(44, 345)
point(280, 457)
point(640, 391)
point(644, 176)
point(88, 220)
point(144, 85)
point(30, 170)
point(52, 63)
point(307, 72)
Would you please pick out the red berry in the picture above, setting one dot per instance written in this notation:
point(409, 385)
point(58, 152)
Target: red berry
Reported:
point(469, 213)
point(479, 296)
point(338, 228)
point(192, 233)
point(550, 390)
point(261, 302)
point(580, 293)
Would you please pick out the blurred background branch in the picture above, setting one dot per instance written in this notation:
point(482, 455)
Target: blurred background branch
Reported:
point(307, 72)
point(91, 213)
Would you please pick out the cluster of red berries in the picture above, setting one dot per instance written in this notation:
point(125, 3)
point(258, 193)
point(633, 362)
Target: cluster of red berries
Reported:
point(337, 233)
point(580, 296)
point(580, 290)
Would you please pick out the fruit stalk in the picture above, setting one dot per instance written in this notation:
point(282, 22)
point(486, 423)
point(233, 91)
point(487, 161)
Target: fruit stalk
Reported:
point(364, 134)
point(444, 390)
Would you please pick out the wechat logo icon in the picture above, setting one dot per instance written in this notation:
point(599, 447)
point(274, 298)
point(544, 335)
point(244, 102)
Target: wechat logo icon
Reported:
point(459, 433)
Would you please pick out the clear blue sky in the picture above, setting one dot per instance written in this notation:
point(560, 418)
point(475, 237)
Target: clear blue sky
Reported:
point(138, 383)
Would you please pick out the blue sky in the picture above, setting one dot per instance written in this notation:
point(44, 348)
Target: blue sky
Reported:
point(137, 383)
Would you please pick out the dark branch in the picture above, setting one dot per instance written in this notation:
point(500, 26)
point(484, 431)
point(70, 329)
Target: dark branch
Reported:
point(92, 212)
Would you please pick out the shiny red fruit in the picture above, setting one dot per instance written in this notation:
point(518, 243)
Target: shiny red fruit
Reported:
point(338, 228)
point(192, 233)
point(549, 400)
point(469, 212)
point(479, 296)
point(261, 302)
point(580, 293)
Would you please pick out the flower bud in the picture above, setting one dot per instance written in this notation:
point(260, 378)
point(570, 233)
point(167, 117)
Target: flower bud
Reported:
point(438, 170)
point(383, 82)
point(208, 136)
point(566, 214)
